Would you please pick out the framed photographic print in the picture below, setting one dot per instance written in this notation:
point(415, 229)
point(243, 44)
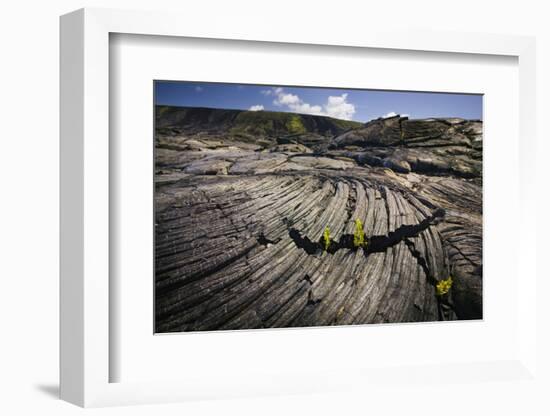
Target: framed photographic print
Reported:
point(307, 216)
point(280, 206)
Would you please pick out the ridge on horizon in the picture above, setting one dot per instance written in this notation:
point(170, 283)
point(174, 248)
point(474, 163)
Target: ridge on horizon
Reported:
point(316, 115)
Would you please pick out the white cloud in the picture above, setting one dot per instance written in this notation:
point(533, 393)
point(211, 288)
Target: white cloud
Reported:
point(336, 106)
point(257, 107)
point(286, 99)
point(306, 108)
point(199, 89)
point(393, 114)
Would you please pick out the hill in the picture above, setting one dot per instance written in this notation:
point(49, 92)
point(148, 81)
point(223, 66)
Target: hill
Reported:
point(255, 123)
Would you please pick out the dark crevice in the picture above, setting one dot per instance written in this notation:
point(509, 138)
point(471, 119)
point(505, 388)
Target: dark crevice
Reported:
point(310, 300)
point(304, 243)
point(459, 251)
point(421, 261)
point(264, 241)
point(350, 203)
point(445, 308)
point(374, 244)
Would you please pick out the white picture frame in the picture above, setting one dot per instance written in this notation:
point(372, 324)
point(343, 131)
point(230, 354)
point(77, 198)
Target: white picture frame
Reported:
point(85, 211)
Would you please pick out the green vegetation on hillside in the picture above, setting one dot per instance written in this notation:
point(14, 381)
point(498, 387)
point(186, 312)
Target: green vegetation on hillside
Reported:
point(345, 124)
point(267, 123)
point(294, 125)
point(250, 123)
point(272, 123)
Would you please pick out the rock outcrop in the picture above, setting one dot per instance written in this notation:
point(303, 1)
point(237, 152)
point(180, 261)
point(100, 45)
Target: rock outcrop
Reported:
point(433, 146)
point(241, 224)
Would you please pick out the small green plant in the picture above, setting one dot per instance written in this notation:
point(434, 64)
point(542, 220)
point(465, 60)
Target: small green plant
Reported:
point(443, 286)
point(326, 238)
point(359, 234)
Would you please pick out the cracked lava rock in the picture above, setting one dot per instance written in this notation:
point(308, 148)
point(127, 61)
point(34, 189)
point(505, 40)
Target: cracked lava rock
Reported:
point(240, 216)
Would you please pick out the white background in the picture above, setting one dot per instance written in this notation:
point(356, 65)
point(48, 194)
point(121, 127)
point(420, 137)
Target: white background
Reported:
point(29, 209)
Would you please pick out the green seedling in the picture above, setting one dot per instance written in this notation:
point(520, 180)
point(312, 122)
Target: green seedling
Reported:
point(326, 238)
point(359, 234)
point(443, 286)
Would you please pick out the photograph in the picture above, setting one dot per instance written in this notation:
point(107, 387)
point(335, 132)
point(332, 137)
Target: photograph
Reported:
point(282, 206)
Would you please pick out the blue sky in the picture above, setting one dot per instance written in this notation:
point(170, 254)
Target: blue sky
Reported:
point(350, 104)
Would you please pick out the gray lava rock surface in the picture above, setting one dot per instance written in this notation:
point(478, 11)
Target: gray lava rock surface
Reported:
point(240, 220)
